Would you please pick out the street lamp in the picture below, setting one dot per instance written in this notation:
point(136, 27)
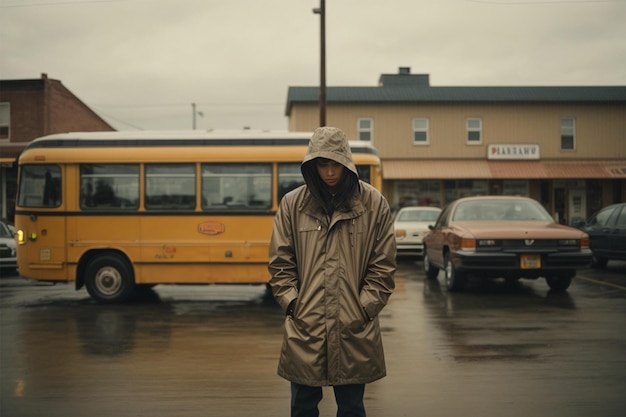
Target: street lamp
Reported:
point(322, 12)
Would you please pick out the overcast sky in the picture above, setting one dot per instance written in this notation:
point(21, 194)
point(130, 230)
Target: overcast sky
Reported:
point(141, 63)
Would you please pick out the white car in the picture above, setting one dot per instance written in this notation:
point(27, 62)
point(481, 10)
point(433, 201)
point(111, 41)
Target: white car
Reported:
point(411, 225)
point(8, 257)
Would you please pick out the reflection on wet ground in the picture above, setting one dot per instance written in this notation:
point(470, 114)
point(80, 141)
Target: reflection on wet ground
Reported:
point(498, 349)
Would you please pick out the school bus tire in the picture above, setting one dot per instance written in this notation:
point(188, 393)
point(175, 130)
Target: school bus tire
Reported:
point(109, 278)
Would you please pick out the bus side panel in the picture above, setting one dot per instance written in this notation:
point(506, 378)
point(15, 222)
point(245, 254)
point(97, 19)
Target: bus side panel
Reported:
point(204, 249)
point(90, 233)
point(42, 256)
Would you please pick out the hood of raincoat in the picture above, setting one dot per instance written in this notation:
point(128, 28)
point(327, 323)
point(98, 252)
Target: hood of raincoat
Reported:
point(330, 143)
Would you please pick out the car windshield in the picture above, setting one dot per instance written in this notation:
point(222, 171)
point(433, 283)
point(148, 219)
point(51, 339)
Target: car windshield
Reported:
point(418, 216)
point(4, 231)
point(500, 209)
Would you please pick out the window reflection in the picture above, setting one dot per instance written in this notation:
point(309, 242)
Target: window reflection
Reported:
point(109, 186)
point(236, 186)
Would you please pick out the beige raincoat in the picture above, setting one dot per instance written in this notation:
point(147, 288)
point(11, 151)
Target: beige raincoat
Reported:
point(341, 271)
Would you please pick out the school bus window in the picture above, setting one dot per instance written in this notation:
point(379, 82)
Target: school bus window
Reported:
point(364, 172)
point(40, 186)
point(289, 178)
point(170, 186)
point(109, 186)
point(236, 186)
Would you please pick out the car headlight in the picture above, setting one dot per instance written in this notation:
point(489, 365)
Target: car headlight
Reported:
point(401, 233)
point(569, 242)
point(468, 244)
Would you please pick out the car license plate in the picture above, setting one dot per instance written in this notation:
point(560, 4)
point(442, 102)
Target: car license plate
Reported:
point(531, 261)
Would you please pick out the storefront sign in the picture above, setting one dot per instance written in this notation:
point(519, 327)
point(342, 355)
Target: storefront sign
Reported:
point(518, 151)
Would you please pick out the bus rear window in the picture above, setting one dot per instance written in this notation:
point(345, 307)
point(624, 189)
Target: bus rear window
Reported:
point(40, 186)
point(109, 186)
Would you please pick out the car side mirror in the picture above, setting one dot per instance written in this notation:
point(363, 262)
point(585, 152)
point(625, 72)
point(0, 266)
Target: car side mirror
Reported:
point(431, 227)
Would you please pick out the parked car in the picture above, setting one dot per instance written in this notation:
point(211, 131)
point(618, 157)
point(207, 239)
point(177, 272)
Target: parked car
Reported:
point(607, 234)
point(8, 257)
point(411, 225)
point(503, 237)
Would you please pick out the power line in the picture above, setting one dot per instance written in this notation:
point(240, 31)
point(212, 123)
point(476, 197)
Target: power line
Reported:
point(518, 3)
point(58, 3)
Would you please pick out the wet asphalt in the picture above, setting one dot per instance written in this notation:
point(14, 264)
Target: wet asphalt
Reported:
point(497, 350)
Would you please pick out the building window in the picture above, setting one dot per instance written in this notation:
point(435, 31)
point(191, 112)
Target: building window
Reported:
point(568, 134)
point(5, 120)
point(365, 129)
point(515, 187)
point(420, 131)
point(474, 131)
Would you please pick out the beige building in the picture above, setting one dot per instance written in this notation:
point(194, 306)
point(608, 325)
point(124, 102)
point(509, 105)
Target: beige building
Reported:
point(563, 146)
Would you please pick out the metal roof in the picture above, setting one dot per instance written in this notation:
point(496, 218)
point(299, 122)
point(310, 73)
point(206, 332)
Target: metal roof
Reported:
point(422, 93)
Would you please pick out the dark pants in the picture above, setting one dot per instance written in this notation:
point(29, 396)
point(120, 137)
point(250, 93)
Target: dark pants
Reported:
point(349, 398)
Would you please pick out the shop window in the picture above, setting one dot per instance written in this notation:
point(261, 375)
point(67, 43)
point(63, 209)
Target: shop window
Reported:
point(455, 189)
point(5, 120)
point(515, 187)
point(418, 193)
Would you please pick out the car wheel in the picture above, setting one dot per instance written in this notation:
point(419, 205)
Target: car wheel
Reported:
point(455, 280)
point(559, 283)
point(431, 271)
point(109, 279)
point(598, 262)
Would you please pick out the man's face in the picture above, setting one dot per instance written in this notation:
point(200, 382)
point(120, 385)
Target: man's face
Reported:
point(329, 171)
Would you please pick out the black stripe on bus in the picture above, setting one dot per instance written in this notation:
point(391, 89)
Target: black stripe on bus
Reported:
point(113, 143)
point(127, 213)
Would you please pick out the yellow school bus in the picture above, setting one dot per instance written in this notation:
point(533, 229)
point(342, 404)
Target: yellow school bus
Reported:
point(116, 212)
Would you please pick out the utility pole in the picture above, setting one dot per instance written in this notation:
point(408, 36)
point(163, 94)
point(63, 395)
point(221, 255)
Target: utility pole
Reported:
point(193, 110)
point(322, 12)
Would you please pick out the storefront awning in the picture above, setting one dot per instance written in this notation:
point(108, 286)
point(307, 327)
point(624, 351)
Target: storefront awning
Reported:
point(475, 169)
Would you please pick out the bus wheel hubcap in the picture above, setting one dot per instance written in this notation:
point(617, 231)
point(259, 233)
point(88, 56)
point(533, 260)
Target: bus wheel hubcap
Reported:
point(108, 281)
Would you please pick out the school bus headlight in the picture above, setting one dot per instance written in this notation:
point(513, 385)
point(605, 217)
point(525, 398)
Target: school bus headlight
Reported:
point(19, 236)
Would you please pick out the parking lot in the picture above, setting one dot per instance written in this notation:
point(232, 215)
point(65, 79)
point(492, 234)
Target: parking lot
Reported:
point(494, 350)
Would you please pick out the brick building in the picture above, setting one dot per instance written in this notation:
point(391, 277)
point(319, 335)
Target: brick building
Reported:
point(31, 108)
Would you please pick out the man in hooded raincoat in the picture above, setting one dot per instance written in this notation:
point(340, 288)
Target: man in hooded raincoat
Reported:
point(332, 259)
